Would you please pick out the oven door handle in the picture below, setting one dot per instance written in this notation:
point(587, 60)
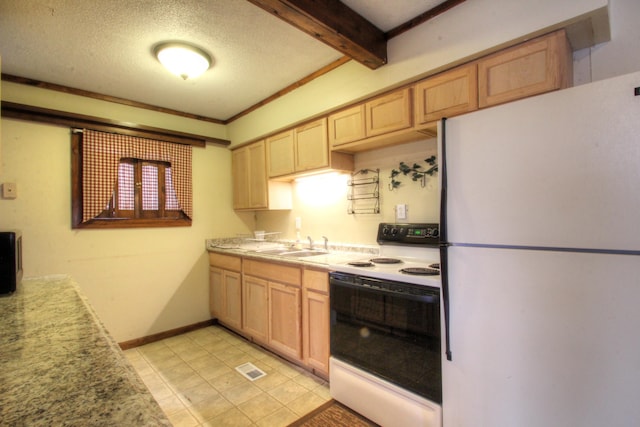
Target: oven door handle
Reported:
point(367, 285)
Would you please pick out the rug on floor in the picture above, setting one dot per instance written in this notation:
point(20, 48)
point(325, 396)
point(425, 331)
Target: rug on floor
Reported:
point(333, 414)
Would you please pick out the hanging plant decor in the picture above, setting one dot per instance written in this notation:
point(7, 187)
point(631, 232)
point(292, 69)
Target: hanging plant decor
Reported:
point(416, 172)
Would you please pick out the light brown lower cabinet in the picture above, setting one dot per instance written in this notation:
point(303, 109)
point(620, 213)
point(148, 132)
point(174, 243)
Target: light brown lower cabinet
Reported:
point(284, 320)
point(315, 320)
point(225, 296)
point(255, 312)
point(283, 307)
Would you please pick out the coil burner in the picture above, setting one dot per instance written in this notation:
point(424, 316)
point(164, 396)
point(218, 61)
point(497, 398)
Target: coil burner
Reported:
point(420, 271)
point(361, 263)
point(386, 260)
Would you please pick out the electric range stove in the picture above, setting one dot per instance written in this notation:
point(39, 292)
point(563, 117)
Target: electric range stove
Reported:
point(408, 253)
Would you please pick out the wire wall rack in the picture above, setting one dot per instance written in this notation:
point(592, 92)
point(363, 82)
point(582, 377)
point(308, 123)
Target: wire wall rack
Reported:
point(364, 192)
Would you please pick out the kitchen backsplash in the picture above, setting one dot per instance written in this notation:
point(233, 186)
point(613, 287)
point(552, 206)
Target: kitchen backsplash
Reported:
point(322, 206)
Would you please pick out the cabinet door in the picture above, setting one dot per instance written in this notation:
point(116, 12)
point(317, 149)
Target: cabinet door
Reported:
point(389, 113)
point(311, 146)
point(447, 94)
point(346, 126)
point(240, 178)
point(249, 176)
point(285, 319)
point(216, 297)
point(540, 65)
point(255, 312)
point(232, 299)
point(280, 154)
point(258, 191)
point(315, 330)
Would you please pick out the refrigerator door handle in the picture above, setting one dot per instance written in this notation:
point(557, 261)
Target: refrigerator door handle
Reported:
point(443, 239)
point(444, 277)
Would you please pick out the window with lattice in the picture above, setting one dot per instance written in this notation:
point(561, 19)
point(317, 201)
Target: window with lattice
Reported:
point(124, 181)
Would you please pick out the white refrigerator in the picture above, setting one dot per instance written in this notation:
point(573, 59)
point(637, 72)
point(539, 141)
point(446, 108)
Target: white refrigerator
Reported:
point(541, 223)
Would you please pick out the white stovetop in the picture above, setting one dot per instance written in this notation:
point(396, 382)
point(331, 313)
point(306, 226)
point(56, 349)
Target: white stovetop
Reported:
point(410, 257)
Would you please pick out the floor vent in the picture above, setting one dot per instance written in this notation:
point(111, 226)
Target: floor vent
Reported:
point(250, 371)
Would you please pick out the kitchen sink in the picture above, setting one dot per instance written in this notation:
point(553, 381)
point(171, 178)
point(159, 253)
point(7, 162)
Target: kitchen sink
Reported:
point(304, 253)
point(288, 252)
point(276, 251)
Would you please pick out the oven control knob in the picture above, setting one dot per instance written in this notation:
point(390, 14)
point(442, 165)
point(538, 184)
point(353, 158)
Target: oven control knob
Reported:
point(394, 231)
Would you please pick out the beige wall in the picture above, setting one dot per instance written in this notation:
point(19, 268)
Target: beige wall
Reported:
point(140, 281)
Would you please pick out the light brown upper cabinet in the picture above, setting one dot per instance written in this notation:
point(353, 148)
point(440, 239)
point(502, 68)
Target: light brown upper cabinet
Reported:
point(303, 149)
point(297, 150)
point(347, 126)
point(382, 115)
point(389, 113)
point(280, 154)
point(311, 148)
point(251, 188)
point(534, 67)
point(249, 177)
point(447, 94)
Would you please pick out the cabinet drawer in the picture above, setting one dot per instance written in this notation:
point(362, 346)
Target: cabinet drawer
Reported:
point(226, 262)
point(316, 280)
point(270, 271)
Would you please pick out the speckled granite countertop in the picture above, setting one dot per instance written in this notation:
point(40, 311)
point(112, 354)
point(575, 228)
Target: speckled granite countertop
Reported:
point(337, 253)
point(59, 366)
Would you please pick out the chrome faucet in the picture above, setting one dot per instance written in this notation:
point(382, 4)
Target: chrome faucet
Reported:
point(326, 243)
point(310, 242)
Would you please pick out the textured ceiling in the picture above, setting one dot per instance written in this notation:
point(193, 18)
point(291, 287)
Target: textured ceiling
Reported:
point(106, 47)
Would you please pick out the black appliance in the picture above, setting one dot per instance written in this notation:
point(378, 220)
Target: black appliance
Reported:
point(389, 329)
point(10, 261)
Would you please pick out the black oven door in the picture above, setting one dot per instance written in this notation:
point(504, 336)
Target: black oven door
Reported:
point(388, 329)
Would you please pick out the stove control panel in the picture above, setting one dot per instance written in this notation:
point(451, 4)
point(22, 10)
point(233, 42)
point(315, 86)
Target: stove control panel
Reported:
point(410, 233)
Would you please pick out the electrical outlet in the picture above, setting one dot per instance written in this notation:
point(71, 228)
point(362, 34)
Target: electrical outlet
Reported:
point(401, 211)
point(298, 223)
point(9, 190)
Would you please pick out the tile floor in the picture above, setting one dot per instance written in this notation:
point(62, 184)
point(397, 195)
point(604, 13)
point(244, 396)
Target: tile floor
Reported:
point(193, 378)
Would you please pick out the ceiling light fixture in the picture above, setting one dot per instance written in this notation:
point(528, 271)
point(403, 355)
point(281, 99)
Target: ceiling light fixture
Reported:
point(182, 59)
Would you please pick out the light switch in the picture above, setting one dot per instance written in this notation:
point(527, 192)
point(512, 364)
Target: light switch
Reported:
point(401, 212)
point(9, 190)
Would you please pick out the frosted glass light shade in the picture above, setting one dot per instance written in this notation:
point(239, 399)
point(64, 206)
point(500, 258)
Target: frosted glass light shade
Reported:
point(183, 60)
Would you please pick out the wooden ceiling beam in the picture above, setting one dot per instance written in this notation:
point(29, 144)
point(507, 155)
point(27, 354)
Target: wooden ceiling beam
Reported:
point(335, 24)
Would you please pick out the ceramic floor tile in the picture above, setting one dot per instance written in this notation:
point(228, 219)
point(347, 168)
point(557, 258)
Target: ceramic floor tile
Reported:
point(281, 418)
point(183, 418)
point(306, 403)
point(308, 381)
point(227, 381)
point(210, 408)
point(188, 353)
point(171, 404)
point(271, 381)
point(192, 377)
point(260, 406)
point(158, 388)
point(201, 392)
point(288, 391)
point(232, 418)
point(241, 393)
